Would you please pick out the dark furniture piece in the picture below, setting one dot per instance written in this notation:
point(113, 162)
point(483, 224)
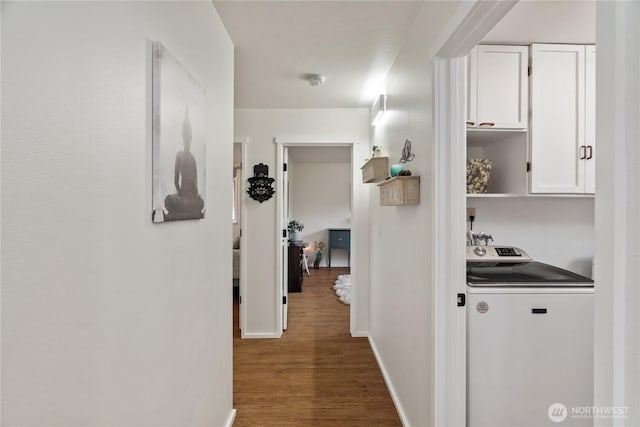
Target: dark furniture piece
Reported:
point(295, 269)
point(340, 238)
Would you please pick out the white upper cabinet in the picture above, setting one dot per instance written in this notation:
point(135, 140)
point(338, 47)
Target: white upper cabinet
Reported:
point(498, 87)
point(561, 157)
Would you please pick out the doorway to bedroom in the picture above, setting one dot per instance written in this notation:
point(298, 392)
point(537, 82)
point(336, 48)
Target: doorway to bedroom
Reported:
point(317, 192)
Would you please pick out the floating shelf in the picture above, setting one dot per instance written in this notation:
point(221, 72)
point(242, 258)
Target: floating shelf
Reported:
point(375, 169)
point(400, 190)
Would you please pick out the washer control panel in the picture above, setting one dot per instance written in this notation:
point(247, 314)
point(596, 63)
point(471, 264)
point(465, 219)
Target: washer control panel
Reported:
point(496, 253)
point(507, 252)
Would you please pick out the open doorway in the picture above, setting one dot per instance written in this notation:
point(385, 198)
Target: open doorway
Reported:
point(453, 148)
point(316, 200)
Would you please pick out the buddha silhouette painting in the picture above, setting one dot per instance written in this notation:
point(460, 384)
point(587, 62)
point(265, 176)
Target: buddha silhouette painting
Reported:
point(178, 140)
point(186, 203)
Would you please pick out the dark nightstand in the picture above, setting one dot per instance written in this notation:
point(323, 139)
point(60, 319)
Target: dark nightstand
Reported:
point(294, 272)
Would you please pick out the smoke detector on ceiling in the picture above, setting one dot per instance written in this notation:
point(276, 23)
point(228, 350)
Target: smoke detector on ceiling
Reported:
point(315, 79)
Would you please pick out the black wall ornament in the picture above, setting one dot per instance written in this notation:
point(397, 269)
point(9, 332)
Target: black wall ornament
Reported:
point(260, 185)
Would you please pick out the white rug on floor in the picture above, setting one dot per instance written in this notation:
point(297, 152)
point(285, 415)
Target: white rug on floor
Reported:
point(343, 288)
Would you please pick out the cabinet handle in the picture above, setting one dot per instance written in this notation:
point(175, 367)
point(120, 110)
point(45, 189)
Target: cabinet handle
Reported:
point(590, 155)
point(470, 123)
point(583, 152)
point(487, 124)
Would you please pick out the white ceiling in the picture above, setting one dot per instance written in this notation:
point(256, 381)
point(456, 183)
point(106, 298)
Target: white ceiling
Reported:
point(354, 43)
point(277, 43)
point(547, 22)
point(325, 154)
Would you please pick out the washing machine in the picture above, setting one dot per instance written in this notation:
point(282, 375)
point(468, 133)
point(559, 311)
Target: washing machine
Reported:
point(529, 341)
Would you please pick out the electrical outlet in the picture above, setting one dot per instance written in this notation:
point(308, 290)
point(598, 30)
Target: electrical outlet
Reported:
point(471, 212)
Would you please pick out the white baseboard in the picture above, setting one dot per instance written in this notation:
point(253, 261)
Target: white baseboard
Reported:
point(259, 335)
point(360, 334)
point(387, 381)
point(231, 419)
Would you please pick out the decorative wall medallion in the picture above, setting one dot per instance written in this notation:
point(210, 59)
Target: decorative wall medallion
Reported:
point(260, 185)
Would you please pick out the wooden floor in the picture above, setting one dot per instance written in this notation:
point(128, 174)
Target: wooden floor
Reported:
point(316, 374)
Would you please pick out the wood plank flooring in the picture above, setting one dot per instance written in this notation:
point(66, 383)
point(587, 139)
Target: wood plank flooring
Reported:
point(316, 374)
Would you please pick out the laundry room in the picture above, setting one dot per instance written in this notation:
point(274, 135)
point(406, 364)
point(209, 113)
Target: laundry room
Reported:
point(530, 125)
point(531, 154)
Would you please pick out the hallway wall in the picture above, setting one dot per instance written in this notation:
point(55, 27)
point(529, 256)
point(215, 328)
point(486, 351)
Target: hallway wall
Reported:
point(108, 319)
point(261, 126)
point(402, 260)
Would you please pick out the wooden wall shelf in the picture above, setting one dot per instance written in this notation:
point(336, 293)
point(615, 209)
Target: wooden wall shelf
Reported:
point(400, 190)
point(375, 169)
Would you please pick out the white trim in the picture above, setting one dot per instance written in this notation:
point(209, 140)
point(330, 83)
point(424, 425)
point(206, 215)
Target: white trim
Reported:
point(448, 245)
point(479, 20)
point(617, 296)
point(389, 384)
point(231, 419)
point(242, 315)
point(260, 335)
point(353, 246)
point(449, 189)
point(279, 279)
point(360, 334)
point(303, 141)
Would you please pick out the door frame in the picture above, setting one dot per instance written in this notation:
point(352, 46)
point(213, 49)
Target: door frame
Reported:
point(280, 143)
point(284, 205)
point(242, 315)
point(450, 83)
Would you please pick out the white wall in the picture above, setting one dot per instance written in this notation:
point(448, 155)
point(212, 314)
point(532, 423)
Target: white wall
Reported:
point(617, 295)
point(321, 199)
point(260, 126)
point(108, 319)
point(402, 261)
point(557, 231)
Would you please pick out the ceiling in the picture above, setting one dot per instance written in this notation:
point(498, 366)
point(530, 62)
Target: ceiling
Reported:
point(353, 44)
point(325, 154)
point(547, 22)
point(277, 43)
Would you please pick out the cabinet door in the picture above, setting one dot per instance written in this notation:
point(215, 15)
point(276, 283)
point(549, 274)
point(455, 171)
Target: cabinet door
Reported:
point(590, 121)
point(557, 118)
point(502, 81)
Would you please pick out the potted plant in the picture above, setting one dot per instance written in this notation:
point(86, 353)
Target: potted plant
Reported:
point(294, 228)
point(377, 150)
point(318, 247)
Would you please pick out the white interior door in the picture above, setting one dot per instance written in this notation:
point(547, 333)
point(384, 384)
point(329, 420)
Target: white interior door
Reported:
point(284, 242)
